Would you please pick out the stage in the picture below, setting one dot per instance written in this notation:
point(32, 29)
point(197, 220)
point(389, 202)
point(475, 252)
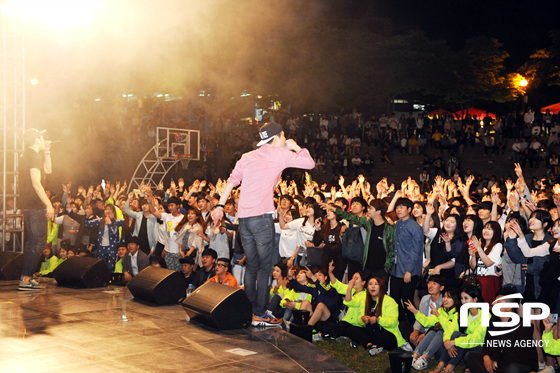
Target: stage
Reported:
point(106, 330)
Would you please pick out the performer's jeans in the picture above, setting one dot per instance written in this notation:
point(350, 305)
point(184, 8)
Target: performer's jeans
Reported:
point(36, 228)
point(257, 237)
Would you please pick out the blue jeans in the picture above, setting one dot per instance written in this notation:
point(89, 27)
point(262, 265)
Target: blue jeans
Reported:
point(36, 227)
point(257, 237)
point(430, 344)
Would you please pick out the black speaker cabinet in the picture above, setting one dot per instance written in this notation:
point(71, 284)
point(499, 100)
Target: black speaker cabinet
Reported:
point(302, 331)
point(219, 306)
point(11, 265)
point(158, 285)
point(82, 272)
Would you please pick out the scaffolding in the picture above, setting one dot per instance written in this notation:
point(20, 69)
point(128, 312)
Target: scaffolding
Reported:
point(12, 109)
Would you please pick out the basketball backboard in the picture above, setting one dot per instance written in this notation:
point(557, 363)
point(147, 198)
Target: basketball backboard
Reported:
point(174, 141)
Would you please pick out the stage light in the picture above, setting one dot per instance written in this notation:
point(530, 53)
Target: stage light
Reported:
point(59, 13)
point(34, 81)
point(523, 82)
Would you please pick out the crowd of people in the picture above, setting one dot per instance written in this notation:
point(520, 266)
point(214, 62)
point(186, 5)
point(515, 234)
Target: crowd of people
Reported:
point(383, 266)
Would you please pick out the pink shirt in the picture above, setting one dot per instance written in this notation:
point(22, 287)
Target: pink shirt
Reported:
point(258, 172)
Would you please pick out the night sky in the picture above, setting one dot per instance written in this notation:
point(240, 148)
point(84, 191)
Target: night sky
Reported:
point(522, 26)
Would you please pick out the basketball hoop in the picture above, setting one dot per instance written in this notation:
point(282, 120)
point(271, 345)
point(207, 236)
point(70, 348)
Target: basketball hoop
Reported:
point(185, 160)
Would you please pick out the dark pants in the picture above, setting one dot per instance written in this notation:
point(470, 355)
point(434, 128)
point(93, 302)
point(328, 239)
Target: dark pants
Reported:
point(159, 249)
point(444, 355)
point(36, 227)
point(257, 237)
point(274, 306)
point(371, 334)
point(402, 292)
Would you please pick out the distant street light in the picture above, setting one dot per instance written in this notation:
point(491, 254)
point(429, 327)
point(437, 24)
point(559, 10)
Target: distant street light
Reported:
point(524, 99)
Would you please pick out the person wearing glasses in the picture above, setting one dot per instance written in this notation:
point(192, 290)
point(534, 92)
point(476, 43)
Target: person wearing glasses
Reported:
point(222, 273)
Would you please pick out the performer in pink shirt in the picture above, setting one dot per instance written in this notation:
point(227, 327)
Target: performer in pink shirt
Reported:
point(258, 172)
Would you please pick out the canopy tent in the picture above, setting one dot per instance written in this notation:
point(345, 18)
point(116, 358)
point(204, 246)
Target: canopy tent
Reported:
point(438, 112)
point(554, 109)
point(480, 114)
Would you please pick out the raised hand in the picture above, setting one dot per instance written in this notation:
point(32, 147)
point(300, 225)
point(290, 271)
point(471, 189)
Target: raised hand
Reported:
point(331, 267)
point(327, 207)
point(495, 198)
point(476, 243)
point(410, 307)
point(518, 170)
point(430, 209)
point(434, 309)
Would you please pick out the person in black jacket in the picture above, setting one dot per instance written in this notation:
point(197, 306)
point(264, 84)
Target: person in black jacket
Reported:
point(325, 303)
point(207, 270)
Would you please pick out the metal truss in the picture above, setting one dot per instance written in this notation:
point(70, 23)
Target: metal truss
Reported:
point(12, 111)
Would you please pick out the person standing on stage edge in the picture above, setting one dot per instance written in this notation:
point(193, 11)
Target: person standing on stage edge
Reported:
point(258, 173)
point(36, 206)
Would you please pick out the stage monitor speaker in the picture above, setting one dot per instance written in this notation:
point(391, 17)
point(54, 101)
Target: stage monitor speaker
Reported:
point(219, 306)
point(82, 272)
point(11, 265)
point(158, 285)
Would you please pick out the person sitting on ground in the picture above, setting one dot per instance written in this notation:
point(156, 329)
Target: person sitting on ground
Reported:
point(442, 323)
point(278, 290)
point(381, 319)
point(551, 345)
point(62, 254)
point(503, 352)
point(355, 299)
point(187, 269)
point(222, 274)
point(71, 252)
point(292, 299)
point(135, 261)
point(207, 270)
point(49, 262)
point(121, 252)
point(436, 284)
point(156, 261)
point(470, 339)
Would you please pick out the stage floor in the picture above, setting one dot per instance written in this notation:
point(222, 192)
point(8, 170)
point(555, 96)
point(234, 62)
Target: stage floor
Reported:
point(105, 330)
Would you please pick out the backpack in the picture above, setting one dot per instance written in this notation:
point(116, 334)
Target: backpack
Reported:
point(353, 244)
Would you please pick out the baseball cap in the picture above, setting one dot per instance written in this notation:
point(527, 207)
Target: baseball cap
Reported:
point(31, 134)
point(268, 131)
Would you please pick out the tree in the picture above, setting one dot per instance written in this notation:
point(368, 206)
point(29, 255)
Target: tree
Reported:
point(479, 74)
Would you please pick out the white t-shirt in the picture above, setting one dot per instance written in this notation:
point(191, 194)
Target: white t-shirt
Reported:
point(305, 232)
point(288, 241)
point(495, 256)
point(218, 242)
point(170, 222)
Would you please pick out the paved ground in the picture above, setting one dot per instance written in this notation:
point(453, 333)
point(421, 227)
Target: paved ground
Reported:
point(105, 330)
